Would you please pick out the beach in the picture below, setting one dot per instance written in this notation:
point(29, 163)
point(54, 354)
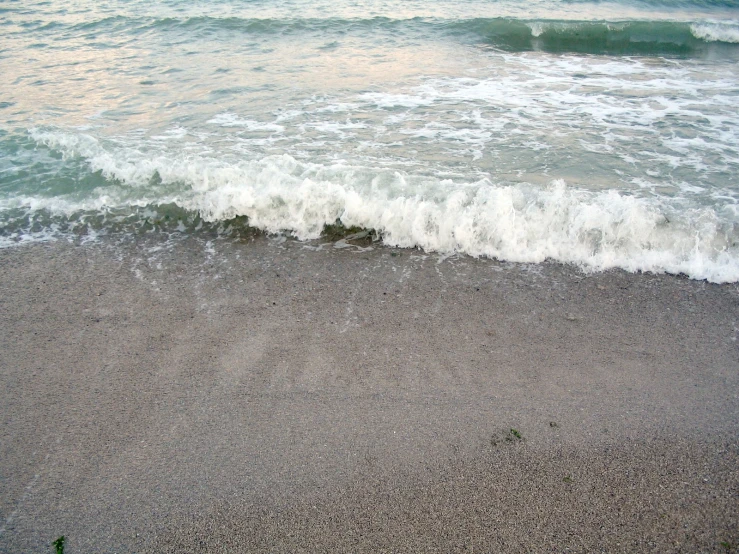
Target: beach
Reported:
point(267, 394)
point(358, 276)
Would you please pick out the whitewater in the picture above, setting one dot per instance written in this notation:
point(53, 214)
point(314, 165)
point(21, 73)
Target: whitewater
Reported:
point(604, 135)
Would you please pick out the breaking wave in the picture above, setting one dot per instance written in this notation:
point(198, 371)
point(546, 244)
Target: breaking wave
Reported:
point(630, 37)
point(521, 222)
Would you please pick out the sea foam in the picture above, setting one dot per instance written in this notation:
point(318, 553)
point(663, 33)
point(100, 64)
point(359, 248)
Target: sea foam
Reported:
point(521, 222)
point(716, 32)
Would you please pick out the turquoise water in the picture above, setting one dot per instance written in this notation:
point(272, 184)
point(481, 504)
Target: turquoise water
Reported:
point(601, 134)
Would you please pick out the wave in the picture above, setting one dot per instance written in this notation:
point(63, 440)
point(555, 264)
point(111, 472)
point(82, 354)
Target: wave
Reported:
point(676, 4)
point(663, 38)
point(514, 222)
point(603, 37)
point(716, 32)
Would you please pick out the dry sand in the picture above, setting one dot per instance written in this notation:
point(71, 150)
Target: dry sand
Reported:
point(268, 396)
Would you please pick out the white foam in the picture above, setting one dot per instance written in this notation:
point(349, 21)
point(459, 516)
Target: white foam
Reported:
point(637, 103)
point(518, 223)
point(537, 28)
point(336, 127)
point(387, 100)
point(28, 237)
point(523, 223)
point(232, 120)
point(175, 133)
point(716, 32)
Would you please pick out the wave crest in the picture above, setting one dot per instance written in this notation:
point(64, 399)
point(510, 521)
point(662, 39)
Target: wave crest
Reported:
point(630, 37)
point(519, 222)
point(716, 32)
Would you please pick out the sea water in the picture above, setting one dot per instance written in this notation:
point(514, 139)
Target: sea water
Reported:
point(603, 134)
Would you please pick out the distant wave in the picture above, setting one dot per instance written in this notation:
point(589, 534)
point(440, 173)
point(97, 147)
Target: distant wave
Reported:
point(522, 222)
point(605, 37)
point(590, 37)
point(676, 4)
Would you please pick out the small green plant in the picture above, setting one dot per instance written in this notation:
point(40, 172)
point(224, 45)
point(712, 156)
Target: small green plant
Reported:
point(727, 545)
point(59, 545)
point(553, 424)
point(567, 479)
point(510, 436)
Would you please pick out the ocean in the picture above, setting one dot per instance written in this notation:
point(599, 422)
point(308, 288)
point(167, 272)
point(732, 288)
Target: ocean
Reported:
point(599, 134)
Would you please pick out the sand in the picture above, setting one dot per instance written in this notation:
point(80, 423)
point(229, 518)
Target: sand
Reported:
point(272, 395)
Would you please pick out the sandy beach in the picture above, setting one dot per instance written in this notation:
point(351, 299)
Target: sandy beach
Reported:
point(272, 395)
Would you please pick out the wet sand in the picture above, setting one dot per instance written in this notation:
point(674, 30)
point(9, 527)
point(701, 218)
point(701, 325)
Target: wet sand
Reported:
point(270, 395)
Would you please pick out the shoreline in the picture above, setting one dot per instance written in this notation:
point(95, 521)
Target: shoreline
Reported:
point(212, 393)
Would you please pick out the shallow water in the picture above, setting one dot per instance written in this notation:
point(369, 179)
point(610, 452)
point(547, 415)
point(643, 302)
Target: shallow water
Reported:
point(601, 134)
